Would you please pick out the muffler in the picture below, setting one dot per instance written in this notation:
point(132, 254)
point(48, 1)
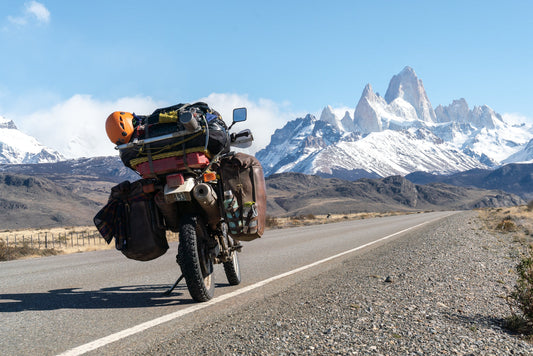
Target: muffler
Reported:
point(207, 198)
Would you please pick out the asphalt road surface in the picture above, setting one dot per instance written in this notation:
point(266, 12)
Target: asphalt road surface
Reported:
point(93, 302)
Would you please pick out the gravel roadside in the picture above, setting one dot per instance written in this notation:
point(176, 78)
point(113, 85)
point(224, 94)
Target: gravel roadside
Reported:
point(434, 291)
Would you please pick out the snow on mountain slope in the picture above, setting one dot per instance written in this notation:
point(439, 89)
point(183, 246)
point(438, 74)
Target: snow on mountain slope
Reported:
point(378, 154)
point(398, 134)
point(394, 153)
point(17, 147)
point(525, 155)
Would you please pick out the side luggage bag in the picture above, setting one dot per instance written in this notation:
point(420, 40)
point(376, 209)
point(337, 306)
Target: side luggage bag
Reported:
point(133, 219)
point(246, 208)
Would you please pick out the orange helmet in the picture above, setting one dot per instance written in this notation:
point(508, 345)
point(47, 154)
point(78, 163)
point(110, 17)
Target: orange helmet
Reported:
point(119, 127)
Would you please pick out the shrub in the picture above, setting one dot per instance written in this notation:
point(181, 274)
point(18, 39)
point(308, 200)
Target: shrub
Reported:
point(506, 225)
point(522, 295)
point(530, 206)
point(272, 221)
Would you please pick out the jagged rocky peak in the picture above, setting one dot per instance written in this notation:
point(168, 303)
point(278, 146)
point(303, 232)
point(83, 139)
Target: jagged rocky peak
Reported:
point(457, 111)
point(408, 87)
point(348, 123)
point(328, 116)
point(366, 112)
point(7, 124)
point(484, 116)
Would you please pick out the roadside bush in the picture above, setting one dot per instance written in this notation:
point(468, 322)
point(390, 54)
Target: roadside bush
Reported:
point(522, 296)
point(272, 222)
point(523, 292)
point(507, 224)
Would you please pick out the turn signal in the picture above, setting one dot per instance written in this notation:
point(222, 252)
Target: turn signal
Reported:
point(209, 176)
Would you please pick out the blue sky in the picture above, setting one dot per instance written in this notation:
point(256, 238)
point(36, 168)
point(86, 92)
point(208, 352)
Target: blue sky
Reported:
point(285, 58)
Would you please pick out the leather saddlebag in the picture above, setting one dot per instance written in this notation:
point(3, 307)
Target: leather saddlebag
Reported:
point(245, 206)
point(133, 219)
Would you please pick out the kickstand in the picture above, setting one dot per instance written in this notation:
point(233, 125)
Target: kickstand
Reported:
point(174, 286)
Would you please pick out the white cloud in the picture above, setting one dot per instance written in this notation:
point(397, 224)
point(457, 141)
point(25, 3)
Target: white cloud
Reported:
point(517, 119)
point(264, 115)
point(76, 127)
point(38, 10)
point(33, 12)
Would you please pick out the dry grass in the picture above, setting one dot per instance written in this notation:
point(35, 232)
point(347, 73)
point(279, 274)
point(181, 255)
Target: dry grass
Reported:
point(311, 219)
point(517, 220)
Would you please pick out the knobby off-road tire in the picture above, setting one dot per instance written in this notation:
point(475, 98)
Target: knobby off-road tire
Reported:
point(193, 259)
point(232, 268)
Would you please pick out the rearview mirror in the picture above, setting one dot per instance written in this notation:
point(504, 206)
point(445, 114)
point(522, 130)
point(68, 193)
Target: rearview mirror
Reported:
point(239, 114)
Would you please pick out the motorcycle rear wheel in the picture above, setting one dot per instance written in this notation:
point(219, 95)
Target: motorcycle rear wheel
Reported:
point(194, 260)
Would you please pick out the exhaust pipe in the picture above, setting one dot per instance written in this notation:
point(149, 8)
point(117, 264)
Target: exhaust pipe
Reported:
point(207, 198)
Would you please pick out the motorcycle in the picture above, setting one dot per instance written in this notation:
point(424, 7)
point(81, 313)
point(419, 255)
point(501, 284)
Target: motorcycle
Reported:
point(194, 202)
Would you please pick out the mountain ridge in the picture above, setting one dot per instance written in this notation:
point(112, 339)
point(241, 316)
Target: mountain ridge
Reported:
point(397, 135)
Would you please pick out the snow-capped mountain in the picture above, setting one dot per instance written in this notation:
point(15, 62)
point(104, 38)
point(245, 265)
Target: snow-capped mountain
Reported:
point(398, 134)
point(17, 147)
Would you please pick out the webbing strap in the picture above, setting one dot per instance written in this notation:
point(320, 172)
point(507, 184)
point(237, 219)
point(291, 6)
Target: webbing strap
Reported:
point(136, 161)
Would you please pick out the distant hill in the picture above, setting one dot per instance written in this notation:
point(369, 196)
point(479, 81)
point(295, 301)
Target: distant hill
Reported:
point(513, 178)
point(39, 202)
point(66, 193)
point(71, 192)
point(296, 193)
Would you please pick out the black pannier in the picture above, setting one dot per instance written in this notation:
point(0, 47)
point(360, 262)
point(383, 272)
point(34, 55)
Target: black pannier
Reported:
point(133, 219)
point(167, 120)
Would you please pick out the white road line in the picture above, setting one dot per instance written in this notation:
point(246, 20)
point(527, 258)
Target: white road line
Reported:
point(93, 345)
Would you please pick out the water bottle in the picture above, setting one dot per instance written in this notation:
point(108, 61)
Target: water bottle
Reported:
point(232, 213)
point(249, 214)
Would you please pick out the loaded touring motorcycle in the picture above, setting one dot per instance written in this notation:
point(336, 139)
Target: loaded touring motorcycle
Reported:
point(191, 184)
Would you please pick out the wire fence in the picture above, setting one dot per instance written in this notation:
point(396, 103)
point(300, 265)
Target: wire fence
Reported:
point(60, 240)
point(54, 240)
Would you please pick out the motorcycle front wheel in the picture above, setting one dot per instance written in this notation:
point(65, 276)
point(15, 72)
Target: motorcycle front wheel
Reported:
point(194, 260)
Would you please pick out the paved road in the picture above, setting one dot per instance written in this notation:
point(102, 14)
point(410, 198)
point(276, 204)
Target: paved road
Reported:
point(55, 304)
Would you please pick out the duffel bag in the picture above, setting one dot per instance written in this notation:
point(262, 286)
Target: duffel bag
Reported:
point(166, 120)
point(244, 196)
point(132, 218)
